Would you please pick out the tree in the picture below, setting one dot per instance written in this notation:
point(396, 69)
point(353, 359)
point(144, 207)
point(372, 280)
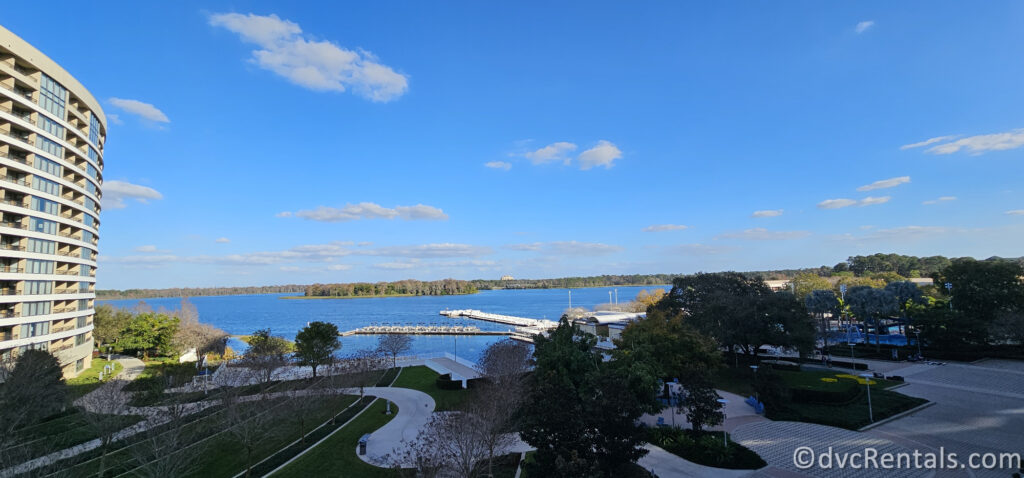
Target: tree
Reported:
point(108, 324)
point(193, 334)
point(104, 404)
point(165, 450)
point(805, 284)
point(647, 298)
point(148, 331)
point(670, 345)
point(248, 422)
point(316, 344)
point(266, 354)
point(593, 430)
point(983, 289)
point(448, 445)
point(393, 345)
point(821, 302)
point(1008, 327)
point(505, 364)
point(871, 305)
point(701, 405)
point(31, 389)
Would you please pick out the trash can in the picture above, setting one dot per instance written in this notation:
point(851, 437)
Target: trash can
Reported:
point(362, 444)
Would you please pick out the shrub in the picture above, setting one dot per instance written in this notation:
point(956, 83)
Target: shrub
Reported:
point(705, 448)
point(445, 382)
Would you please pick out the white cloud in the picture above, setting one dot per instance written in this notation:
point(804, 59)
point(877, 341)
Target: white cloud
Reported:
point(926, 142)
point(864, 26)
point(368, 210)
point(836, 203)
point(567, 248)
point(604, 154)
point(665, 227)
point(553, 152)
point(339, 267)
point(762, 234)
point(767, 213)
point(978, 144)
point(318, 65)
point(397, 265)
point(885, 183)
point(116, 192)
point(939, 200)
point(1015, 212)
point(139, 108)
point(699, 249)
point(871, 201)
point(534, 246)
point(222, 240)
point(429, 251)
point(148, 248)
point(841, 203)
point(498, 165)
point(114, 118)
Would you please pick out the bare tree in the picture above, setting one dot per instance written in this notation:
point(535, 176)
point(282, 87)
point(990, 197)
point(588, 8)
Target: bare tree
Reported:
point(102, 406)
point(393, 345)
point(496, 401)
point(363, 369)
point(449, 445)
point(166, 450)
point(248, 422)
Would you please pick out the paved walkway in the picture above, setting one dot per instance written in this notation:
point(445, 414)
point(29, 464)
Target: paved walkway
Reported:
point(132, 368)
point(665, 464)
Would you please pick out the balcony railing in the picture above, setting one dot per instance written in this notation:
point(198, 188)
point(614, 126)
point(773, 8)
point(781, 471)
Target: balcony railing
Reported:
point(15, 225)
point(11, 270)
point(10, 292)
point(63, 328)
point(18, 181)
point(20, 159)
point(12, 202)
point(8, 314)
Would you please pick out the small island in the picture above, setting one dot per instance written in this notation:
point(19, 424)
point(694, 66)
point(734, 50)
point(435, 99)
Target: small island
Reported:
point(402, 288)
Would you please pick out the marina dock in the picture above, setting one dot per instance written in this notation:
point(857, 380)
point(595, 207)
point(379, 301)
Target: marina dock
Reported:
point(423, 330)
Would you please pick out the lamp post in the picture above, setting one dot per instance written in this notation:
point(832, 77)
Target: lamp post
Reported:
point(842, 309)
point(918, 334)
point(754, 368)
point(949, 290)
point(867, 383)
point(725, 440)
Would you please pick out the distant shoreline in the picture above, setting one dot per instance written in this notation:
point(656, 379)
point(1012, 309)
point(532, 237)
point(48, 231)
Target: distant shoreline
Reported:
point(302, 297)
point(299, 297)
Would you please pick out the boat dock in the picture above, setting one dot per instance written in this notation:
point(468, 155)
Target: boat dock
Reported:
point(501, 319)
point(422, 330)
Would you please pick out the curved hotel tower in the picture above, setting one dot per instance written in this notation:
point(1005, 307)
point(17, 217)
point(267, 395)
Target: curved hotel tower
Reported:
point(51, 161)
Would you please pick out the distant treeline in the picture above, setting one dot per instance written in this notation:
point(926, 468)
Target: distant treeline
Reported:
point(875, 264)
point(576, 282)
point(196, 291)
point(383, 289)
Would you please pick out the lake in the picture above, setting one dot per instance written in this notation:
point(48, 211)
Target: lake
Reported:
point(243, 314)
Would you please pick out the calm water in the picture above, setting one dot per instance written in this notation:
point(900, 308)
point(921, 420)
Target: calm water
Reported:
point(242, 314)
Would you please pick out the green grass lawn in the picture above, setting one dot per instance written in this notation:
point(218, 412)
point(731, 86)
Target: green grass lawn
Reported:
point(59, 432)
point(851, 414)
point(336, 456)
point(89, 379)
point(422, 378)
point(216, 454)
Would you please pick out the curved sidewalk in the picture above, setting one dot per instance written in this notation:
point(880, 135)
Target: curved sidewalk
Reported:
point(414, 411)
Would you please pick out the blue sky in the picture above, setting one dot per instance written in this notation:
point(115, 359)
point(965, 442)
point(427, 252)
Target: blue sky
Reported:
point(269, 143)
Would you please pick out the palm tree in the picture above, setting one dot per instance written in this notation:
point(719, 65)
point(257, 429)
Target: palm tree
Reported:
point(821, 302)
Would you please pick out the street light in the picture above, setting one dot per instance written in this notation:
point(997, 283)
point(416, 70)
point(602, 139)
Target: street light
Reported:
point(918, 334)
point(867, 382)
point(949, 291)
point(754, 368)
point(725, 441)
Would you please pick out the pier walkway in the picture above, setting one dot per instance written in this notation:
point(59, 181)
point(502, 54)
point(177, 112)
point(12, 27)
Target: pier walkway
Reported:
point(423, 330)
point(501, 319)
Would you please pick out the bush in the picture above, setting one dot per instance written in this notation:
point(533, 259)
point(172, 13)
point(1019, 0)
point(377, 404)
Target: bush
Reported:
point(445, 382)
point(853, 365)
point(705, 448)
